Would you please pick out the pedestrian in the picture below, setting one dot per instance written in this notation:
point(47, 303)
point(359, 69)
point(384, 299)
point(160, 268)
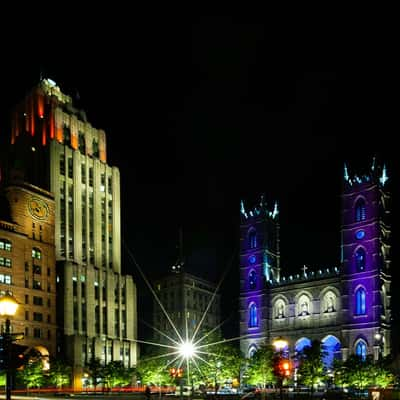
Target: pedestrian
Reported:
point(147, 392)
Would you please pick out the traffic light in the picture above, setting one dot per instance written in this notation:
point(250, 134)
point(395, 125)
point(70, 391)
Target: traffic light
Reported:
point(285, 368)
point(176, 372)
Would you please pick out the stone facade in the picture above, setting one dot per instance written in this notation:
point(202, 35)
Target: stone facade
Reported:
point(346, 307)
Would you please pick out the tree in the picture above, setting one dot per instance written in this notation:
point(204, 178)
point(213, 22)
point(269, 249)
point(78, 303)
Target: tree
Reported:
point(358, 373)
point(260, 369)
point(32, 374)
point(96, 371)
point(59, 373)
point(153, 370)
point(115, 374)
point(311, 369)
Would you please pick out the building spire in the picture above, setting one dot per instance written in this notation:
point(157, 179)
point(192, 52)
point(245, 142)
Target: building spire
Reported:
point(178, 266)
point(346, 172)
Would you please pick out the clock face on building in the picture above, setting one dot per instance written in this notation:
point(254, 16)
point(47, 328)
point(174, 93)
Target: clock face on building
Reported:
point(38, 208)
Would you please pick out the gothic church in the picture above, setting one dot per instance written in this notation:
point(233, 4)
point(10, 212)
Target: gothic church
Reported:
point(347, 308)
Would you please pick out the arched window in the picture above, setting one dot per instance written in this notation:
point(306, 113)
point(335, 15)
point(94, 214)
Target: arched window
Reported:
point(252, 239)
point(329, 302)
point(304, 305)
point(5, 245)
point(360, 259)
point(36, 253)
point(360, 210)
point(252, 350)
point(360, 301)
point(252, 279)
point(301, 343)
point(280, 309)
point(253, 320)
point(361, 349)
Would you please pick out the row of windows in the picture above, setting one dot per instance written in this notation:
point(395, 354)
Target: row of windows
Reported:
point(37, 317)
point(304, 307)
point(37, 301)
point(5, 245)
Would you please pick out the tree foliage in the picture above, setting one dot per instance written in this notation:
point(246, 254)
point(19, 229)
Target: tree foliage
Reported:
point(359, 374)
point(115, 374)
point(311, 368)
point(260, 369)
point(32, 374)
point(59, 373)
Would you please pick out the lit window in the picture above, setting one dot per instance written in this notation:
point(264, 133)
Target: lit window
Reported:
point(360, 301)
point(252, 279)
point(252, 239)
point(361, 350)
point(360, 259)
point(5, 245)
point(36, 253)
point(253, 320)
point(360, 210)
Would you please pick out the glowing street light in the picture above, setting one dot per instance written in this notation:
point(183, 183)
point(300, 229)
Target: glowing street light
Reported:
point(187, 350)
point(8, 308)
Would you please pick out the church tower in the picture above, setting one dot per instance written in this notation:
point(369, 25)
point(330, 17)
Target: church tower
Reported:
point(259, 262)
point(365, 253)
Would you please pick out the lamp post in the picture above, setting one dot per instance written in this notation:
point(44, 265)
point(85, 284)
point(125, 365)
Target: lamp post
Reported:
point(218, 365)
point(280, 344)
point(8, 308)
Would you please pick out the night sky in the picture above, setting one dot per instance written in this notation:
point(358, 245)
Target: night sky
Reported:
point(203, 113)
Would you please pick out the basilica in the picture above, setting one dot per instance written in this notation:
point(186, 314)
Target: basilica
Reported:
point(347, 307)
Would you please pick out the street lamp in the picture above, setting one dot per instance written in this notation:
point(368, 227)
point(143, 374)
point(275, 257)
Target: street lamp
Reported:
point(8, 308)
point(283, 368)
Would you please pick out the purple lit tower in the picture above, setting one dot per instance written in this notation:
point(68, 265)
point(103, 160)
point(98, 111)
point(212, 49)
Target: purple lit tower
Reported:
point(365, 256)
point(259, 262)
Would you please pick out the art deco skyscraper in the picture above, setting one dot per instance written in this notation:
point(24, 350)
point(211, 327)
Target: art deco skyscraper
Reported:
point(54, 147)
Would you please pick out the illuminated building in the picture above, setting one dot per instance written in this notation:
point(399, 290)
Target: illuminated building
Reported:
point(54, 147)
point(346, 307)
point(27, 265)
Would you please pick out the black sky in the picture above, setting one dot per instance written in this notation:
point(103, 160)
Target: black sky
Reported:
point(202, 112)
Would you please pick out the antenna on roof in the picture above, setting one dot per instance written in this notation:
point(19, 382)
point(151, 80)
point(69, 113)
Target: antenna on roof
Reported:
point(178, 266)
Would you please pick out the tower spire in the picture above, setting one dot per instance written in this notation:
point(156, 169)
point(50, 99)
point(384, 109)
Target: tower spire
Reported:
point(178, 266)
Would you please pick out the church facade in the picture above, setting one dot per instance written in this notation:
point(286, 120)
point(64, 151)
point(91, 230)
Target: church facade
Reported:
point(347, 307)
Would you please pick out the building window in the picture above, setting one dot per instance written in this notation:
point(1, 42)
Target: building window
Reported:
point(253, 320)
point(280, 309)
point(81, 142)
point(37, 301)
point(37, 333)
point(5, 262)
point(252, 279)
point(95, 148)
point(361, 349)
point(26, 299)
point(5, 245)
point(329, 303)
point(62, 164)
point(360, 210)
point(37, 269)
point(360, 259)
point(37, 285)
point(36, 253)
point(360, 301)
point(253, 239)
point(38, 317)
point(6, 279)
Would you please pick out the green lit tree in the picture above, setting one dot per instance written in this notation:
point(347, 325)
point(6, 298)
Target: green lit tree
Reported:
point(359, 374)
point(95, 371)
point(115, 374)
point(311, 368)
point(59, 373)
point(32, 374)
point(153, 370)
point(260, 368)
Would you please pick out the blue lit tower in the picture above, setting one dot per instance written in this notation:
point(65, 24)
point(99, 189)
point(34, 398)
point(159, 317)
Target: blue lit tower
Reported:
point(365, 253)
point(259, 261)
